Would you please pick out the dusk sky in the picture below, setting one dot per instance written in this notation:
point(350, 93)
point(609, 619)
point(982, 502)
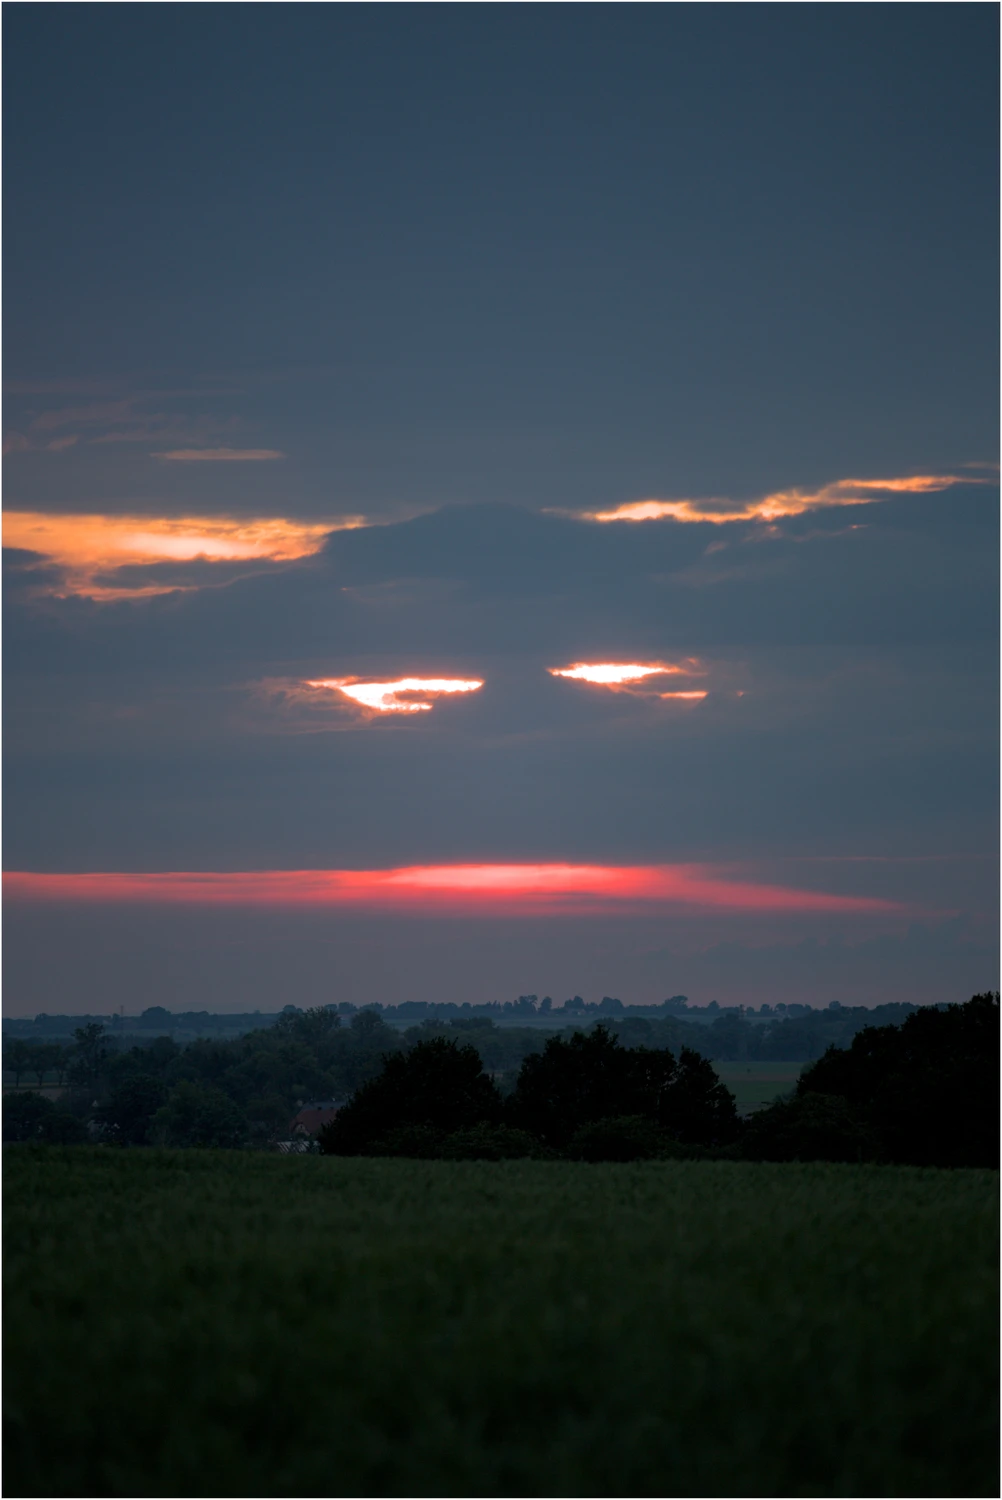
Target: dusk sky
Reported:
point(500, 500)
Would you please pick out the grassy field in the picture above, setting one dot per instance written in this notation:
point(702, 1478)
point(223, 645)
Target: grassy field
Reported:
point(756, 1083)
point(203, 1324)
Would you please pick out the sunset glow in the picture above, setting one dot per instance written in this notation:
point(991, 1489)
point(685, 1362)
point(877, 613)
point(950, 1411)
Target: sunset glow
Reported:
point(693, 695)
point(614, 674)
point(782, 503)
point(408, 695)
point(484, 889)
point(89, 546)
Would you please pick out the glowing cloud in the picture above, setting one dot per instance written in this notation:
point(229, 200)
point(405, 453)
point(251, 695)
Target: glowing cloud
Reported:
point(792, 502)
point(610, 673)
point(624, 676)
point(389, 697)
point(87, 546)
point(481, 889)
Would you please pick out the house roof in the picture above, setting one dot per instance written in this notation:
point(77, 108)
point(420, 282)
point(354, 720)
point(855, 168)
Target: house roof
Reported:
point(309, 1120)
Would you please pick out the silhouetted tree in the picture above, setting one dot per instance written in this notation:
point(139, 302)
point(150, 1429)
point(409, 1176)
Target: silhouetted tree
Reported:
point(45, 1056)
point(438, 1085)
point(198, 1116)
point(17, 1057)
point(928, 1090)
point(90, 1053)
point(32, 1117)
point(128, 1112)
point(590, 1077)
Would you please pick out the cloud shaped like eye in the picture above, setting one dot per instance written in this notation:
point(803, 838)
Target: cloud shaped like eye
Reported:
point(633, 676)
point(408, 695)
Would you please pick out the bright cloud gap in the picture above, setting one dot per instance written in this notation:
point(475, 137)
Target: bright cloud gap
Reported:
point(624, 674)
point(479, 889)
point(408, 695)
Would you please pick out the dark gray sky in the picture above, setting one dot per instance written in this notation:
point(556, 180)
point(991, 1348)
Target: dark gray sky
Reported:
point(465, 278)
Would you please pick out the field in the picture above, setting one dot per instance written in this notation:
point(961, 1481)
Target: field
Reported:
point(203, 1324)
point(756, 1083)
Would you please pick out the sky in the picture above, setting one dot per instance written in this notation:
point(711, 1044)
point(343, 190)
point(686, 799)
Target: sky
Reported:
point(500, 500)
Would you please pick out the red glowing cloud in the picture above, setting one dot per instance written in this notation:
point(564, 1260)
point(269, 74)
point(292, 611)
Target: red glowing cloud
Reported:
point(481, 889)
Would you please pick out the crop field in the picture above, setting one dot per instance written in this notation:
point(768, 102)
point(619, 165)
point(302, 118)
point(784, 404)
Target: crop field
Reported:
point(202, 1324)
point(754, 1084)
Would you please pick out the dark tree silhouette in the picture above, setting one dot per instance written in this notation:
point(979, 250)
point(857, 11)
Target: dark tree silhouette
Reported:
point(590, 1077)
point(438, 1085)
point(128, 1112)
point(928, 1090)
point(90, 1054)
point(32, 1117)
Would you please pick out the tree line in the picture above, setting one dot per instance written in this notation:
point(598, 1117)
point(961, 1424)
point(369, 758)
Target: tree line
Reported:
point(788, 1033)
point(924, 1092)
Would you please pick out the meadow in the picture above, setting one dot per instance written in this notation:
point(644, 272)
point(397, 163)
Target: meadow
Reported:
point(755, 1084)
point(198, 1323)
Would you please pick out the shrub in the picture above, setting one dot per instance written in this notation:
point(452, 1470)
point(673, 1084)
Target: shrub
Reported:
point(624, 1138)
point(811, 1127)
point(486, 1142)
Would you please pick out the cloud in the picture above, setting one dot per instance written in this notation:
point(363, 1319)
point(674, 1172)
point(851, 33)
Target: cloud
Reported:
point(485, 889)
point(220, 455)
point(408, 695)
point(613, 674)
point(86, 547)
point(781, 503)
point(634, 677)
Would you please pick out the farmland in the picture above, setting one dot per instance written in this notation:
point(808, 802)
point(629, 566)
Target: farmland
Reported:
point(227, 1323)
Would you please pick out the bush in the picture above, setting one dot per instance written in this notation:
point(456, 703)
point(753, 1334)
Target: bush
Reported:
point(422, 1142)
point(626, 1138)
point(812, 1127)
point(489, 1143)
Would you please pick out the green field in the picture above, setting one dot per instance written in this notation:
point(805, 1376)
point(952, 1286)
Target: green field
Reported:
point(754, 1084)
point(202, 1324)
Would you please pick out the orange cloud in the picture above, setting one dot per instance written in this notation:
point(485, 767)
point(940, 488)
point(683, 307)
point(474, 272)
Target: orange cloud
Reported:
point(482, 889)
point(87, 546)
point(220, 455)
point(782, 503)
point(408, 695)
point(701, 694)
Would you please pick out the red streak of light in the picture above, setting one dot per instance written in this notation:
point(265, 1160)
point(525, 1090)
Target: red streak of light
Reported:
point(484, 889)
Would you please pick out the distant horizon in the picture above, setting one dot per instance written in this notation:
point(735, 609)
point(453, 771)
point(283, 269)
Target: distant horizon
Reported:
point(592, 1013)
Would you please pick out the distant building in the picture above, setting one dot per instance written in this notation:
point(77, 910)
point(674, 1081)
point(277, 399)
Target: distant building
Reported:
point(312, 1116)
